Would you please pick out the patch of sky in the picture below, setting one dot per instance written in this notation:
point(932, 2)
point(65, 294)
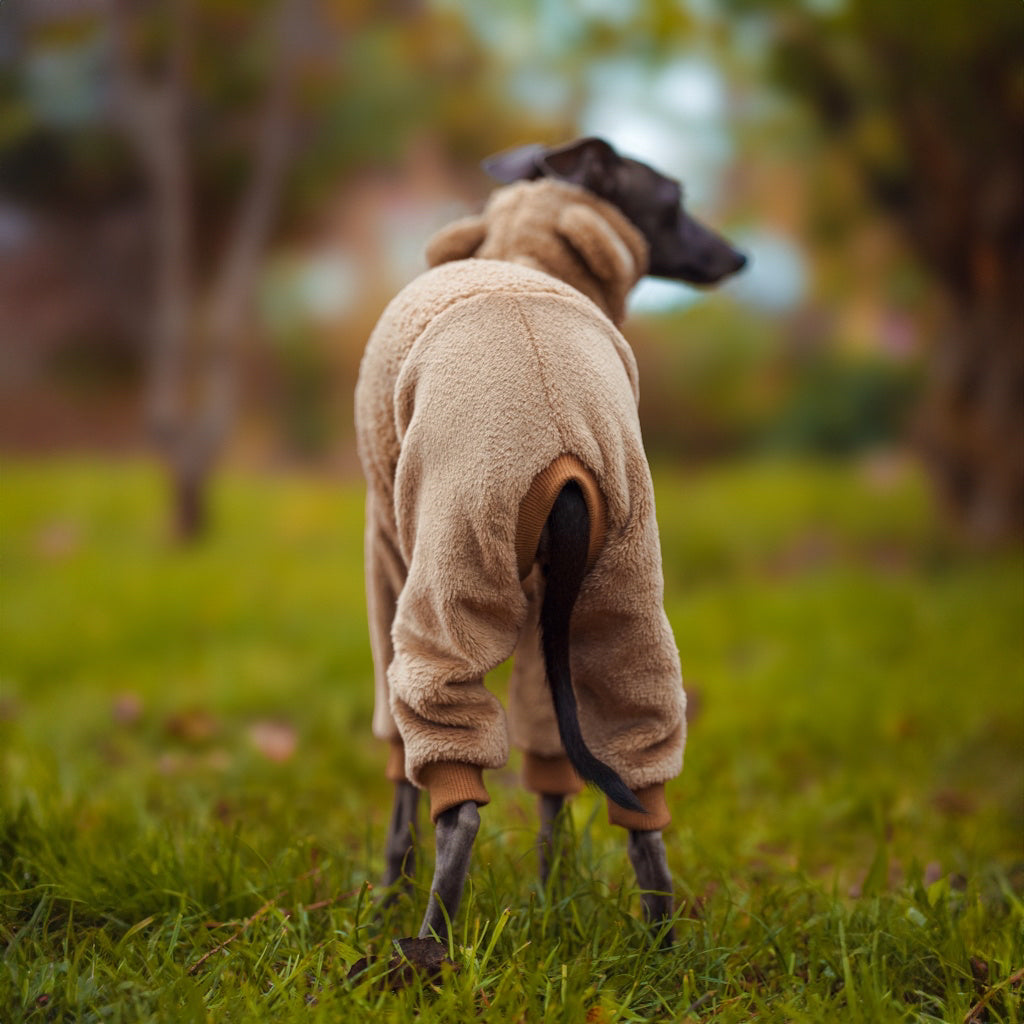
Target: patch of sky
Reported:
point(826, 6)
point(775, 278)
point(520, 31)
point(654, 295)
point(672, 117)
point(540, 90)
point(296, 290)
point(65, 84)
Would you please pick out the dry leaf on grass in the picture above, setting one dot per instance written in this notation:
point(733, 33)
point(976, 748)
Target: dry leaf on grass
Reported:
point(276, 741)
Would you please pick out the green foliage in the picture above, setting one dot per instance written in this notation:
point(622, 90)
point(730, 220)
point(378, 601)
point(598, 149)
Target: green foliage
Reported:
point(367, 83)
point(846, 836)
point(840, 406)
point(877, 77)
point(719, 379)
point(710, 378)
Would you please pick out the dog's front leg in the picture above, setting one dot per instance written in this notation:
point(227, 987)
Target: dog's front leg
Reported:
point(455, 831)
point(647, 855)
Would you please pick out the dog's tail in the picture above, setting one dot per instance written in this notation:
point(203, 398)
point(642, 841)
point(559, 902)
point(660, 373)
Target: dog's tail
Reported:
point(569, 538)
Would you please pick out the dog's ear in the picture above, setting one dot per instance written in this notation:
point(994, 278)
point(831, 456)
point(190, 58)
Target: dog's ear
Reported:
point(607, 255)
point(519, 164)
point(589, 163)
point(456, 241)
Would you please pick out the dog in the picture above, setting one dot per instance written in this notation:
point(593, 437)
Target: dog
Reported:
point(510, 510)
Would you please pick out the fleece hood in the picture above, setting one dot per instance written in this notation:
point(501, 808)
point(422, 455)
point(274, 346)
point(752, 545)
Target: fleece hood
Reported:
point(559, 229)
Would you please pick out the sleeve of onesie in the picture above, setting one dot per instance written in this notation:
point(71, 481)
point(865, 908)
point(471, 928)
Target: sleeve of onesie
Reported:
point(462, 606)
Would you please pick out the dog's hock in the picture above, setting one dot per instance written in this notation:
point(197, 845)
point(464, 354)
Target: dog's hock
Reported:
point(647, 855)
point(601, 249)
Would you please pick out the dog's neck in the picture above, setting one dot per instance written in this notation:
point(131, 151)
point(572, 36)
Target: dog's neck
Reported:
point(602, 256)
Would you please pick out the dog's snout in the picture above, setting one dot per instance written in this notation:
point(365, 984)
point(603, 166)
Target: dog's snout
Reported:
point(711, 262)
point(695, 254)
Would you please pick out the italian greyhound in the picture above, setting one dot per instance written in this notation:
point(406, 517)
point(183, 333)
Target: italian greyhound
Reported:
point(681, 249)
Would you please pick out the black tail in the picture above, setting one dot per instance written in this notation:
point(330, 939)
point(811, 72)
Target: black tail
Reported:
point(569, 540)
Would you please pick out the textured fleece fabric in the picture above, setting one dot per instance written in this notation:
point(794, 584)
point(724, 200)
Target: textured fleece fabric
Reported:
point(487, 383)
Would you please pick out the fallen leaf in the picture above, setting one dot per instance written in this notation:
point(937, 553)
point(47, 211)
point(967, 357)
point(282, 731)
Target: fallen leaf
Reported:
point(979, 971)
point(953, 803)
point(276, 741)
point(884, 471)
point(127, 709)
point(58, 539)
point(193, 726)
point(8, 709)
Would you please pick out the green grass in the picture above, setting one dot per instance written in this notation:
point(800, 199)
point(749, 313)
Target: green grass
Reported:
point(847, 836)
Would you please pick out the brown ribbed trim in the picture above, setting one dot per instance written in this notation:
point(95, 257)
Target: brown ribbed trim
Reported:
point(451, 783)
point(395, 770)
point(653, 798)
point(552, 776)
point(536, 506)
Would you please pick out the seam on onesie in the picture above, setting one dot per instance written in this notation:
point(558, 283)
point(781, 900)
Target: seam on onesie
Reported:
point(541, 370)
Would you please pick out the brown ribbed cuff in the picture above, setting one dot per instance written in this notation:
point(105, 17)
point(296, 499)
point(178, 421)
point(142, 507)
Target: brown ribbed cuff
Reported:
point(451, 783)
point(657, 816)
point(536, 506)
point(550, 776)
point(395, 770)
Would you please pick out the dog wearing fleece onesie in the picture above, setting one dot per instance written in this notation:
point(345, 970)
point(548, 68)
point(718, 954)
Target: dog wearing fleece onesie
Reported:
point(507, 490)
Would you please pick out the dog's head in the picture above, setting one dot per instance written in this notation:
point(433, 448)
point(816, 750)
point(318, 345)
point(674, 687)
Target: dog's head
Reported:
point(681, 248)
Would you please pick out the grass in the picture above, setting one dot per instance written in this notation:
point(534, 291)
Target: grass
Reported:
point(192, 809)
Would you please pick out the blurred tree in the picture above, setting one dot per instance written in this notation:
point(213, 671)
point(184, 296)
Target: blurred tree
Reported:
point(225, 122)
point(927, 100)
point(153, 58)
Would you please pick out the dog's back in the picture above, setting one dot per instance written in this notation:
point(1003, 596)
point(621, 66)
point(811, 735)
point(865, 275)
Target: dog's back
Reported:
point(508, 349)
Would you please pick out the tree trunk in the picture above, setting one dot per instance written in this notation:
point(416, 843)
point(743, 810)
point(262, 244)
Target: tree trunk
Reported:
point(969, 231)
point(950, 177)
point(190, 433)
point(189, 501)
point(971, 425)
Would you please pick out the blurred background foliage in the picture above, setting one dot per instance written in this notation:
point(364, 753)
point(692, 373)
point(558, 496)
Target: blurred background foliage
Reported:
point(204, 206)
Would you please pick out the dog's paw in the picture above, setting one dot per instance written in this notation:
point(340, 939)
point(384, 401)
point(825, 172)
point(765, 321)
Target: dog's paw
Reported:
point(413, 956)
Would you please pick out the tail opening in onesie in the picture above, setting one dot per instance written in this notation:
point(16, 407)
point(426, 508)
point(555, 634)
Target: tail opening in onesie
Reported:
point(568, 526)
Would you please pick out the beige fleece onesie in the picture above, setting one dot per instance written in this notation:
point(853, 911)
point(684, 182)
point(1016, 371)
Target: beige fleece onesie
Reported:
point(487, 384)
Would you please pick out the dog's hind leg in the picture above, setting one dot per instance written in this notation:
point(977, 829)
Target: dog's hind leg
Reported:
point(401, 845)
point(550, 806)
point(455, 831)
point(647, 855)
